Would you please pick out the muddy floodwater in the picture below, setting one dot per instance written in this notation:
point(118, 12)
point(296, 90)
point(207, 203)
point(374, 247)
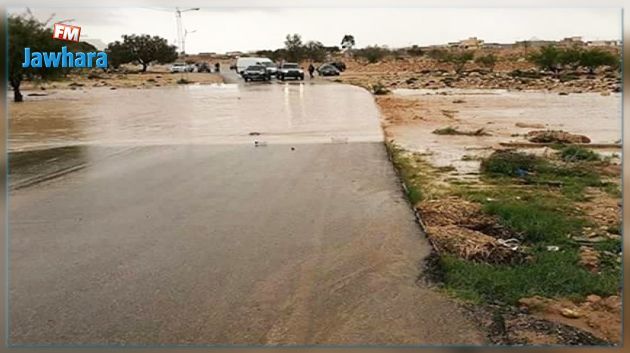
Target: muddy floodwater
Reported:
point(497, 112)
point(195, 114)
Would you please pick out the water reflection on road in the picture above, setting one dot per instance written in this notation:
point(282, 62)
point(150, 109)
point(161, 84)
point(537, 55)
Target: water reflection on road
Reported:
point(195, 114)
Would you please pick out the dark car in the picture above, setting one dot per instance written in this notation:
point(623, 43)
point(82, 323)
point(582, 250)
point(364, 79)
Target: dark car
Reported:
point(290, 70)
point(328, 70)
point(255, 73)
point(339, 65)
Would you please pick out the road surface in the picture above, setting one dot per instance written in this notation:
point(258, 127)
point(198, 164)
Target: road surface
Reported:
point(301, 241)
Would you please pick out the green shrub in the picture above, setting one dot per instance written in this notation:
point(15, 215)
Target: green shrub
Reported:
point(578, 153)
point(511, 163)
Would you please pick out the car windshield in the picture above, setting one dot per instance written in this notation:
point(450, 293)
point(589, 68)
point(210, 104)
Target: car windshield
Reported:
point(179, 64)
point(268, 64)
point(256, 67)
point(290, 66)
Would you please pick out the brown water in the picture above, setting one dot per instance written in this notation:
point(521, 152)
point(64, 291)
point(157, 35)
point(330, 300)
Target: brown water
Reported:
point(195, 114)
point(497, 112)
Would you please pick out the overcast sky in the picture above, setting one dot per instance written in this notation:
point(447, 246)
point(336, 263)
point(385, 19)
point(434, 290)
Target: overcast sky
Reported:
point(246, 28)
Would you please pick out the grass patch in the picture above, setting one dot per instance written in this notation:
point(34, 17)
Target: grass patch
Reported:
point(539, 220)
point(405, 165)
point(454, 131)
point(570, 178)
point(549, 274)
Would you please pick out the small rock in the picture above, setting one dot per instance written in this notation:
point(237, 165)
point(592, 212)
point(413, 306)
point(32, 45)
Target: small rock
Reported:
point(593, 298)
point(570, 313)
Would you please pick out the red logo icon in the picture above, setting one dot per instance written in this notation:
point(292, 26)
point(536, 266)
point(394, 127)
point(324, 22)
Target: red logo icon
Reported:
point(66, 32)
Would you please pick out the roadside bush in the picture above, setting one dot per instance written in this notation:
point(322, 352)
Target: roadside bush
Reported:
point(578, 153)
point(372, 54)
point(510, 163)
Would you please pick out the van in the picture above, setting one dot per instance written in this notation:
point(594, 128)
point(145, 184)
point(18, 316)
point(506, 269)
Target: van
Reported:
point(244, 63)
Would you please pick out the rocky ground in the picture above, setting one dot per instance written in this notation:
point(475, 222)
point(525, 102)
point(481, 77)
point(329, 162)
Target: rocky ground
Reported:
point(426, 73)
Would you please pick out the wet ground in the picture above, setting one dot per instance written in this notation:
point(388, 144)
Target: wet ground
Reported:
point(497, 112)
point(176, 229)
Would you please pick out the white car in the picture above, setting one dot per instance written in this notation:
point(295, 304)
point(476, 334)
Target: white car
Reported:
point(243, 63)
point(180, 67)
point(290, 70)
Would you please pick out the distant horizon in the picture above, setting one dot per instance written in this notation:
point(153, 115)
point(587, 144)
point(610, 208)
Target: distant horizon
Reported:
point(222, 30)
point(422, 46)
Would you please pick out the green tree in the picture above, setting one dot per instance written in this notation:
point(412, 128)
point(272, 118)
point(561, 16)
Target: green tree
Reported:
point(459, 60)
point(294, 48)
point(570, 57)
point(488, 61)
point(594, 58)
point(141, 49)
point(28, 32)
point(118, 54)
point(315, 51)
point(547, 58)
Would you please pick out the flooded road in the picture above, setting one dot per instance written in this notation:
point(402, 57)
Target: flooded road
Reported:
point(194, 114)
point(177, 230)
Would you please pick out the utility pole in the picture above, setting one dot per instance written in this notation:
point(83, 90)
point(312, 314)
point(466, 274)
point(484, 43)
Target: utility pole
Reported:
point(186, 32)
point(180, 32)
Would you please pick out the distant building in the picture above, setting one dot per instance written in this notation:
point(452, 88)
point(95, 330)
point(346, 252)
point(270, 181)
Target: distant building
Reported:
point(470, 43)
point(603, 43)
point(234, 53)
point(571, 41)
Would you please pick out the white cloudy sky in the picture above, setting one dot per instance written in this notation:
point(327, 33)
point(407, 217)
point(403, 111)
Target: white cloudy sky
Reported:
point(249, 26)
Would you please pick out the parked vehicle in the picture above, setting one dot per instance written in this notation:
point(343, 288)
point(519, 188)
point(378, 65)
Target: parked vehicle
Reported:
point(256, 73)
point(179, 67)
point(271, 68)
point(290, 70)
point(245, 62)
point(328, 70)
point(203, 67)
point(339, 65)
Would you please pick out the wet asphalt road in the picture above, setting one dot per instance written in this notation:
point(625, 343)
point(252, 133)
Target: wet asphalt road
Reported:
point(223, 244)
